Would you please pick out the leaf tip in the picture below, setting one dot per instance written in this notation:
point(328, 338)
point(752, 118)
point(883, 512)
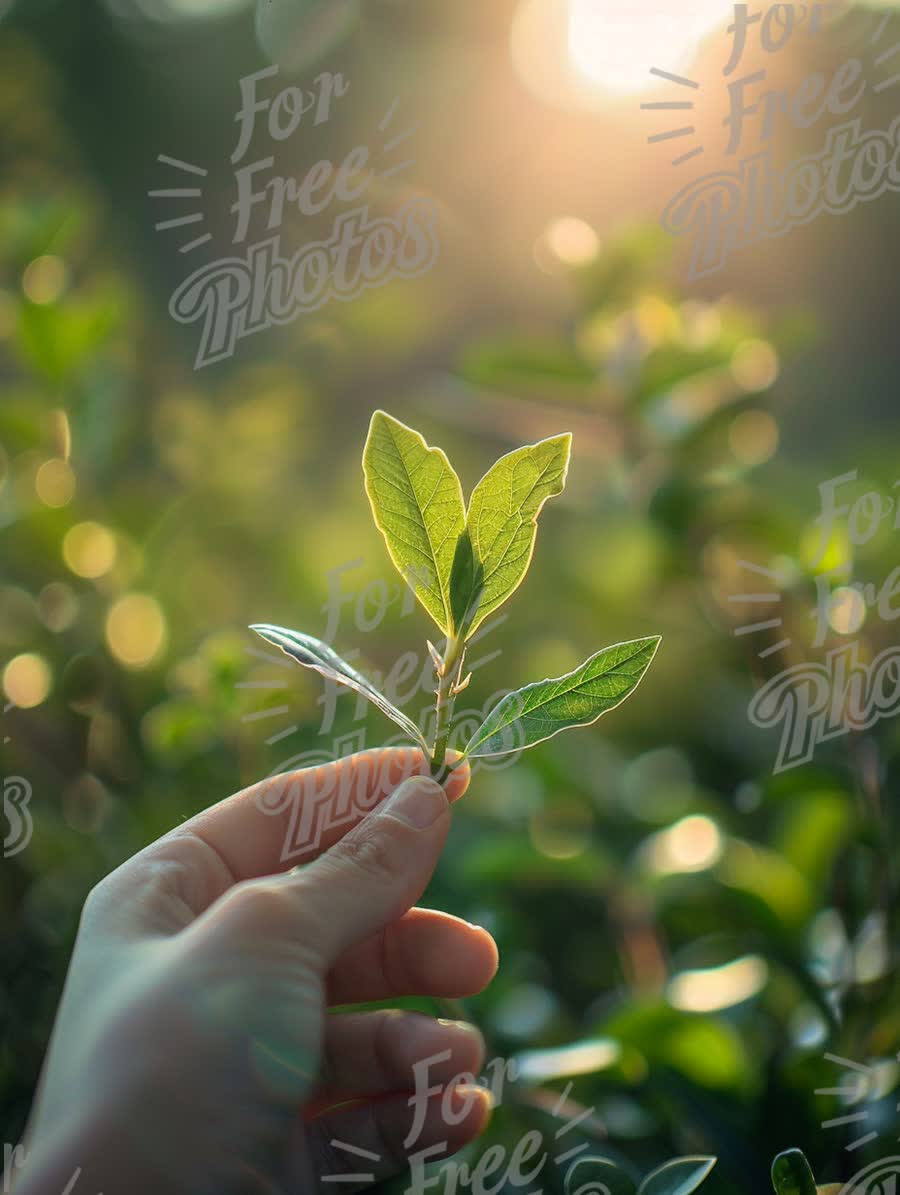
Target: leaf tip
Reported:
point(378, 414)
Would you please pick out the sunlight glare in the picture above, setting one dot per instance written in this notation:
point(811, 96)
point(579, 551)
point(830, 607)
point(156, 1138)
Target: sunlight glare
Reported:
point(614, 47)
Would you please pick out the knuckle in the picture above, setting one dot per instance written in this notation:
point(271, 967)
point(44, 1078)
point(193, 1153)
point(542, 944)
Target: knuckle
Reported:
point(389, 1025)
point(375, 854)
point(97, 900)
point(253, 903)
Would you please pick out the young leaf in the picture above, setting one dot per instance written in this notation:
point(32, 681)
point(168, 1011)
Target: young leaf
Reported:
point(543, 709)
point(502, 517)
point(313, 653)
point(791, 1174)
point(417, 502)
point(466, 583)
point(597, 1176)
point(681, 1176)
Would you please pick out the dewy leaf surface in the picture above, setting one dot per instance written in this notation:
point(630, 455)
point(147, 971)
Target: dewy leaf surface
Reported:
point(543, 709)
point(503, 513)
point(313, 653)
point(417, 502)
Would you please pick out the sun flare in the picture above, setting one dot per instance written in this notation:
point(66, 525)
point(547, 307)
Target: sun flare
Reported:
point(614, 47)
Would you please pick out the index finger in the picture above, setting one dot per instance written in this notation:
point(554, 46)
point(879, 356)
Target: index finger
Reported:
point(293, 817)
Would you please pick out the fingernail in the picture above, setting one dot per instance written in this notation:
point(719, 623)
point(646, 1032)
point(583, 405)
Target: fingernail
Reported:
point(418, 801)
point(462, 1027)
point(473, 1093)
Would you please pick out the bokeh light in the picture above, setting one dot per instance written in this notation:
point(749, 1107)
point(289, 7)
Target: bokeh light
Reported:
point(136, 629)
point(833, 556)
point(27, 680)
point(44, 279)
point(847, 611)
point(295, 33)
point(57, 606)
point(754, 365)
point(571, 241)
point(713, 988)
point(89, 549)
point(562, 830)
point(692, 844)
point(54, 483)
point(753, 437)
point(580, 1058)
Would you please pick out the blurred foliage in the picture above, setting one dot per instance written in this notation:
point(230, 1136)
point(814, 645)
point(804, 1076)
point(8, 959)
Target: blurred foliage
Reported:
point(690, 944)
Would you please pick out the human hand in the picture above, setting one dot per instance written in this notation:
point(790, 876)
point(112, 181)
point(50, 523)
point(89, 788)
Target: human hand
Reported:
point(192, 1050)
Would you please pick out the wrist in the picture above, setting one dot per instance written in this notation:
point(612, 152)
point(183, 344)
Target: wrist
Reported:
point(85, 1156)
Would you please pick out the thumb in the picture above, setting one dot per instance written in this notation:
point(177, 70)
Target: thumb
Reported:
point(376, 872)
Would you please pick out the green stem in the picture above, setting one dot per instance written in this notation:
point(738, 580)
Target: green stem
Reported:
point(448, 679)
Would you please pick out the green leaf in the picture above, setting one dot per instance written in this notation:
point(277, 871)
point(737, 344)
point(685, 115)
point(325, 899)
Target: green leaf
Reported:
point(503, 513)
point(466, 583)
point(597, 1176)
point(678, 1177)
point(791, 1174)
point(313, 653)
point(543, 709)
point(417, 502)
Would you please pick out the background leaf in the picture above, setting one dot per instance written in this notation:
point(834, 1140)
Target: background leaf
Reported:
point(313, 653)
point(597, 1176)
point(681, 1176)
point(418, 506)
point(544, 708)
point(791, 1174)
point(502, 516)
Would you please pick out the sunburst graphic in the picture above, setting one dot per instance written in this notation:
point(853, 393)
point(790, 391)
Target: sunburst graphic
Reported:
point(273, 711)
point(189, 219)
point(395, 141)
point(878, 62)
point(581, 1114)
point(573, 1122)
point(886, 55)
point(180, 194)
point(356, 1152)
point(675, 106)
point(764, 599)
point(860, 1084)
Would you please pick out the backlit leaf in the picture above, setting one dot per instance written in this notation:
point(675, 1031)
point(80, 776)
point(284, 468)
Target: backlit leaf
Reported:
point(503, 512)
point(418, 506)
point(313, 653)
point(543, 709)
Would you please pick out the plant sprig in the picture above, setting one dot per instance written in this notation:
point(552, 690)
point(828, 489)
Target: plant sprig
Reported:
point(463, 563)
